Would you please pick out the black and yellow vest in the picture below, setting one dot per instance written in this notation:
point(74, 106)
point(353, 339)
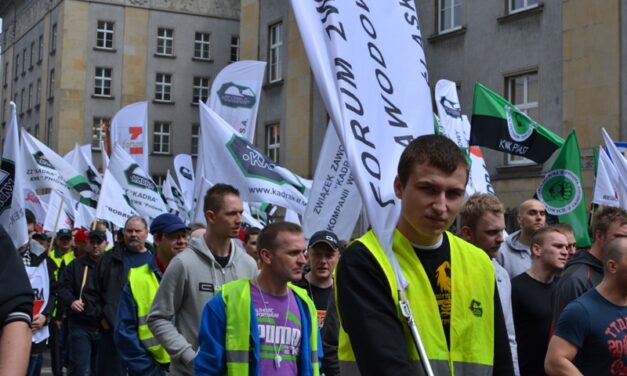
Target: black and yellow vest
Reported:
point(472, 312)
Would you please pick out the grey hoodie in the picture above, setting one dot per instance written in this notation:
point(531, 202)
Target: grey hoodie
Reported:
point(514, 256)
point(188, 283)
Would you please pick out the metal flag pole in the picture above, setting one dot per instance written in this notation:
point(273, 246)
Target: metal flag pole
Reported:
point(406, 311)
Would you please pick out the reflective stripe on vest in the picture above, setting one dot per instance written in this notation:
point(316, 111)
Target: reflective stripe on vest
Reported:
point(57, 262)
point(237, 302)
point(472, 309)
point(144, 285)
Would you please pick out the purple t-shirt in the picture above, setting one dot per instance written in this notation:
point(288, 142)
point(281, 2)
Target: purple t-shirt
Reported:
point(276, 333)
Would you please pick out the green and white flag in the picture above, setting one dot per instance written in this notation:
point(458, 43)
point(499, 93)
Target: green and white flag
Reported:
point(562, 192)
point(499, 125)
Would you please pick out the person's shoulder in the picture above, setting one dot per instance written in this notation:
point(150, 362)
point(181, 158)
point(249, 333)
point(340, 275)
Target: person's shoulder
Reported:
point(356, 252)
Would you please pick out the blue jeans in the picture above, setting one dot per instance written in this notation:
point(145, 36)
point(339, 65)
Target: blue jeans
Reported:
point(83, 351)
point(58, 343)
point(109, 360)
point(34, 364)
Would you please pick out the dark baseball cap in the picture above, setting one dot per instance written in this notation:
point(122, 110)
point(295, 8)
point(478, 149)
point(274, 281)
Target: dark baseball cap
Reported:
point(64, 233)
point(167, 223)
point(326, 237)
point(97, 235)
point(40, 235)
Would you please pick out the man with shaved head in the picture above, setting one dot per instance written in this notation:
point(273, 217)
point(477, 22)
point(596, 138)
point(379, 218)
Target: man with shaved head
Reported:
point(591, 333)
point(515, 253)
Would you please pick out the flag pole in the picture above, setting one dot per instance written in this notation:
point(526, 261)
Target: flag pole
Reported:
point(409, 317)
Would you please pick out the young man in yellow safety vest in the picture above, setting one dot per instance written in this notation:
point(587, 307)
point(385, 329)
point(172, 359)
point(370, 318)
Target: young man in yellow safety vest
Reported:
point(276, 317)
point(451, 291)
point(140, 351)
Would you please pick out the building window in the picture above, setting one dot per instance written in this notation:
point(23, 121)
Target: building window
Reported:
point(161, 138)
point(24, 62)
point(6, 73)
point(202, 43)
point(201, 89)
point(163, 87)
point(38, 92)
point(276, 42)
point(104, 35)
point(41, 48)
point(49, 131)
point(165, 41)
point(273, 141)
point(523, 92)
point(30, 95)
point(22, 102)
point(102, 86)
point(36, 130)
point(98, 132)
point(51, 84)
point(15, 96)
point(449, 15)
point(519, 5)
point(195, 138)
point(32, 53)
point(234, 49)
point(17, 66)
point(53, 38)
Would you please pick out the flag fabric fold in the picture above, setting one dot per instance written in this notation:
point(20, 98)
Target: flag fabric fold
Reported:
point(499, 125)
point(562, 191)
point(605, 191)
point(114, 205)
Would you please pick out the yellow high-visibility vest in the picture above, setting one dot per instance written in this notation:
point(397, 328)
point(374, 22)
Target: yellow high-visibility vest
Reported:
point(472, 308)
point(144, 285)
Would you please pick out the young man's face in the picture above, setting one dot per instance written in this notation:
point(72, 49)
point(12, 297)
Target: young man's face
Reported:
point(488, 233)
point(553, 252)
point(532, 216)
point(64, 244)
point(173, 243)
point(322, 259)
point(226, 222)
point(288, 260)
point(616, 230)
point(431, 199)
point(251, 246)
point(572, 244)
point(96, 247)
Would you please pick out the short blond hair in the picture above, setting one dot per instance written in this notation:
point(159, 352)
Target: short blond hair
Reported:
point(476, 206)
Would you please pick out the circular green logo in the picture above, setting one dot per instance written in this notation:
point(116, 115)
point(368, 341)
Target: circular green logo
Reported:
point(560, 191)
point(520, 126)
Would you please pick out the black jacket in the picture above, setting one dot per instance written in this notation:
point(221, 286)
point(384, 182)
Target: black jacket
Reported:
point(582, 273)
point(37, 256)
point(16, 295)
point(70, 288)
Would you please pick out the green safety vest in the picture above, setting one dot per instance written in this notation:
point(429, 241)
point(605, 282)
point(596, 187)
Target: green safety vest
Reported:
point(143, 283)
point(237, 302)
point(57, 262)
point(472, 309)
point(68, 257)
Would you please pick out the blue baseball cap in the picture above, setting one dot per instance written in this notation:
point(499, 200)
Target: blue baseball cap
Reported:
point(167, 223)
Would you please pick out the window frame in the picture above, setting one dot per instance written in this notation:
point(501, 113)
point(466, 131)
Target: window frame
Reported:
point(165, 41)
point(104, 35)
point(158, 147)
point(163, 89)
point(53, 38)
point(198, 89)
point(101, 81)
point(195, 139)
point(526, 6)
point(273, 142)
point(51, 84)
point(275, 44)
point(525, 106)
point(451, 16)
point(235, 49)
point(201, 46)
point(32, 53)
point(98, 131)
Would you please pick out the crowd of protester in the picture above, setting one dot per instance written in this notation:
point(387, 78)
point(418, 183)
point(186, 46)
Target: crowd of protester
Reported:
point(220, 299)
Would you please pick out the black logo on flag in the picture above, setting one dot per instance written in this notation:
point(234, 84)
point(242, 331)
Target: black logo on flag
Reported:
point(91, 177)
point(451, 108)
point(187, 174)
point(255, 164)
point(7, 173)
point(234, 95)
point(138, 180)
point(41, 160)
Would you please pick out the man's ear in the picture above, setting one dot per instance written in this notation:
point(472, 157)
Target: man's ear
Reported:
point(210, 216)
point(264, 256)
point(398, 187)
point(536, 249)
point(466, 233)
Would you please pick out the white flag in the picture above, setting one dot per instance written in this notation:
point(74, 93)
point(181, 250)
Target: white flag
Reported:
point(104, 156)
point(231, 159)
point(59, 215)
point(619, 180)
point(185, 176)
point(235, 95)
point(174, 198)
point(141, 191)
point(43, 168)
point(334, 203)
point(85, 149)
point(35, 204)
point(81, 161)
point(12, 216)
point(604, 191)
point(370, 68)
point(113, 205)
point(84, 216)
point(450, 113)
point(292, 216)
point(129, 128)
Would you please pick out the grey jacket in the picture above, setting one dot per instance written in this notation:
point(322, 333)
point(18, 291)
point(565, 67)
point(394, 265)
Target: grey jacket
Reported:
point(514, 256)
point(188, 283)
point(504, 285)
